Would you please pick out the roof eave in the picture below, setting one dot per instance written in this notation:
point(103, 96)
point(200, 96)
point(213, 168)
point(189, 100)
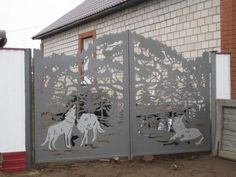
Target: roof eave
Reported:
point(89, 18)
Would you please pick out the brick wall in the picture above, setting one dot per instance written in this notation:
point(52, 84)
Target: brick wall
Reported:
point(228, 36)
point(189, 26)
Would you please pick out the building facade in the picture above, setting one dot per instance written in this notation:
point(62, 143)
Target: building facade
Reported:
point(190, 27)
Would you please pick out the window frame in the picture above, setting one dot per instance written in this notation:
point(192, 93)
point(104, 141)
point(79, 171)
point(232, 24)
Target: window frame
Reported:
point(85, 35)
point(82, 37)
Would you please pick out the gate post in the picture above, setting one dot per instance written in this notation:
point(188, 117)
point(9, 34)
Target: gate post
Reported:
point(28, 109)
point(130, 70)
point(213, 99)
point(220, 88)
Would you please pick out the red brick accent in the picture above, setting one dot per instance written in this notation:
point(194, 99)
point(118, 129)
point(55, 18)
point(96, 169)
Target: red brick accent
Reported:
point(13, 162)
point(228, 36)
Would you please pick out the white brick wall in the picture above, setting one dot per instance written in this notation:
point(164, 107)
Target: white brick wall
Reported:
point(189, 26)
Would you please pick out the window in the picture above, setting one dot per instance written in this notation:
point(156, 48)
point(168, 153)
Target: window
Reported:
point(84, 40)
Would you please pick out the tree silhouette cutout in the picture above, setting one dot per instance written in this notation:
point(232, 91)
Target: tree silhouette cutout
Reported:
point(161, 78)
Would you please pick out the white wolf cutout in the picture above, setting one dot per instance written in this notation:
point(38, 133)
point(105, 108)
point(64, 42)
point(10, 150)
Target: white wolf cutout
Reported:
point(89, 122)
point(185, 134)
point(63, 127)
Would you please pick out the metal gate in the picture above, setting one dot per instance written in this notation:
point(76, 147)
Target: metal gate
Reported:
point(125, 96)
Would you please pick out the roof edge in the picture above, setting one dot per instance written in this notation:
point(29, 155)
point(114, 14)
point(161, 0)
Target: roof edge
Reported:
point(89, 18)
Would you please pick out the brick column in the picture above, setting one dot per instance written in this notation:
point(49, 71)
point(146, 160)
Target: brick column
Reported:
point(228, 36)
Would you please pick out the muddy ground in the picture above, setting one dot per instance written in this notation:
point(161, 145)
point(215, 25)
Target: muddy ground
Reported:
point(194, 165)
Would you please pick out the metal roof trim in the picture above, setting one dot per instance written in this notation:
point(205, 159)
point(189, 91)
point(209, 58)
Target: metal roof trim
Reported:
point(90, 18)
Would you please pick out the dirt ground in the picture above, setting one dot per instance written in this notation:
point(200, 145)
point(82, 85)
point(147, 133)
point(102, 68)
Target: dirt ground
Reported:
point(196, 165)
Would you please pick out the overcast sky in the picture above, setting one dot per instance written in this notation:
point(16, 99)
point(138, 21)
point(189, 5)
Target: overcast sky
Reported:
point(22, 19)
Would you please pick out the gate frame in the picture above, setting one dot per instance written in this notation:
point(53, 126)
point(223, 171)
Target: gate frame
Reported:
point(212, 82)
point(30, 127)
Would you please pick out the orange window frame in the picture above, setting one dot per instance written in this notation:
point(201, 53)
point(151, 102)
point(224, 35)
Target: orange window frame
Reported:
point(83, 36)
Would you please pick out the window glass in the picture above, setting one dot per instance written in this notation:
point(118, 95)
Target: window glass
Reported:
point(86, 42)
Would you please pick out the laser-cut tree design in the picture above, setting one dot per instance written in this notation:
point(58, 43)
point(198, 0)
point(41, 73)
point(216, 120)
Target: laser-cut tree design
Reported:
point(166, 78)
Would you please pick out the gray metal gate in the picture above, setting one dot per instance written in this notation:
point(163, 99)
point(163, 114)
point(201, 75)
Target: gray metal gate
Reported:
point(125, 96)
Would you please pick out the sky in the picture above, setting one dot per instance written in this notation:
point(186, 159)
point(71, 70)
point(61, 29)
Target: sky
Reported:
point(22, 19)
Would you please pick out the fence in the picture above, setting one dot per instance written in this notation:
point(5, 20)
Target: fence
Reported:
point(226, 129)
point(125, 96)
point(15, 103)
